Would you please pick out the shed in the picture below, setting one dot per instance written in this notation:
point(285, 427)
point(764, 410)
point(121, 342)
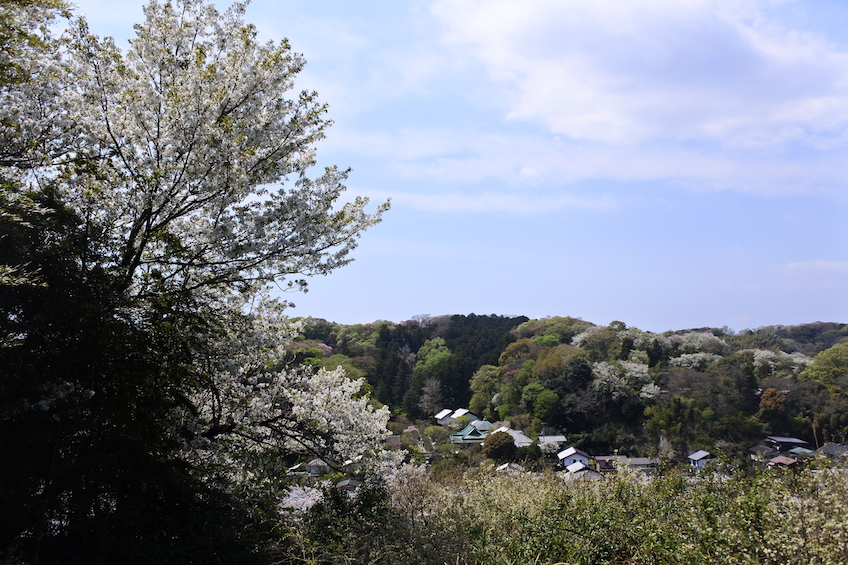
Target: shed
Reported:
point(699, 458)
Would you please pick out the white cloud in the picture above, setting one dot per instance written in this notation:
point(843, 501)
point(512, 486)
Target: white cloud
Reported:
point(626, 72)
point(466, 156)
point(817, 266)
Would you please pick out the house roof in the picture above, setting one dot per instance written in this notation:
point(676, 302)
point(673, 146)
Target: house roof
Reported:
point(518, 437)
point(782, 460)
point(571, 451)
point(698, 455)
point(348, 484)
point(577, 466)
point(833, 449)
point(640, 461)
point(317, 463)
point(475, 432)
point(555, 439)
point(636, 462)
point(444, 413)
point(782, 439)
point(459, 413)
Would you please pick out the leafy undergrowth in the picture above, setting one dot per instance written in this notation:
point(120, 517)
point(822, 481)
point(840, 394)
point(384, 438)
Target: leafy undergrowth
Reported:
point(482, 516)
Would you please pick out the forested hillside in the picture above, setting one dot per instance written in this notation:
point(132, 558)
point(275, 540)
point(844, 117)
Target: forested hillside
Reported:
point(607, 387)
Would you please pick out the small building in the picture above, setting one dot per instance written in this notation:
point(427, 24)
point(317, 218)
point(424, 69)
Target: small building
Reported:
point(572, 455)
point(699, 458)
point(350, 485)
point(448, 416)
point(762, 453)
point(393, 442)
point(580, 470)
point(606, 463)
point(783, 444)
point(317, 467)
point(834, 451)
point(443, 416)
point(559, 440)
point(518, 437)
point(782, 461)
point(460, 412)
point(801, 453)
point(474, 432)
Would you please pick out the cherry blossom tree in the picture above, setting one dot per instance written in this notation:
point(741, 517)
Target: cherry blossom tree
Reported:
point(150, 201)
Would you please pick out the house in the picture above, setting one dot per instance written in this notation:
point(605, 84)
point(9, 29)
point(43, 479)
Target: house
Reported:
point(317, 467)
point(559, 440)
point(580, 470)
point(475, 432)
point(801, 453)
point(350, 485)
point(393, 442)
point(518, 437)
point(699, 458)
point(762, 453)
point(605, 463)
point(782, 461)
point(834, 451)
point(448, 416)
point(460, 412)
point(572, 455)
point(782, 444)
point(443, 416)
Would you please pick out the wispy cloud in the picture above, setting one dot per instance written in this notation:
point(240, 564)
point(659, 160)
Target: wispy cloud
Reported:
point(463, 156)
point(817, 266)
point(497, 202)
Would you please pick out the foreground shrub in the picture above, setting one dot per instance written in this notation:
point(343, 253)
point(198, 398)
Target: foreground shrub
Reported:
point(483, 516)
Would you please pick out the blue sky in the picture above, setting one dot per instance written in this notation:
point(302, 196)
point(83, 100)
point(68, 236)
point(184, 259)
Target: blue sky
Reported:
point(667, 163)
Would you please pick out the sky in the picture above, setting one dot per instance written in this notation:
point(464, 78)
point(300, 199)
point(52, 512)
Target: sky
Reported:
point(670, 164)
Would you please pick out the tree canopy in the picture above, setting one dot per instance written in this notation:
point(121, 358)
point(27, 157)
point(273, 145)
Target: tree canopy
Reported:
point(150, 200)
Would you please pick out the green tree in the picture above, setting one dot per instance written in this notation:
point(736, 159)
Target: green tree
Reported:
point(545, 403)
point(499, 446)
point(828, 365)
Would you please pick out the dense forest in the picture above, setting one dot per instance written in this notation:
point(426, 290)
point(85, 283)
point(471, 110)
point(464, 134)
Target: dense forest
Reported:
point(608, 387)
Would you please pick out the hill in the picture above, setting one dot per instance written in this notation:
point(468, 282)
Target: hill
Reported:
point(608, 387)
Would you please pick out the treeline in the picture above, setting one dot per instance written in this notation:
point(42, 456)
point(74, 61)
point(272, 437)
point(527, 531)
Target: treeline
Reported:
point(607, 387)
point(399, 359)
